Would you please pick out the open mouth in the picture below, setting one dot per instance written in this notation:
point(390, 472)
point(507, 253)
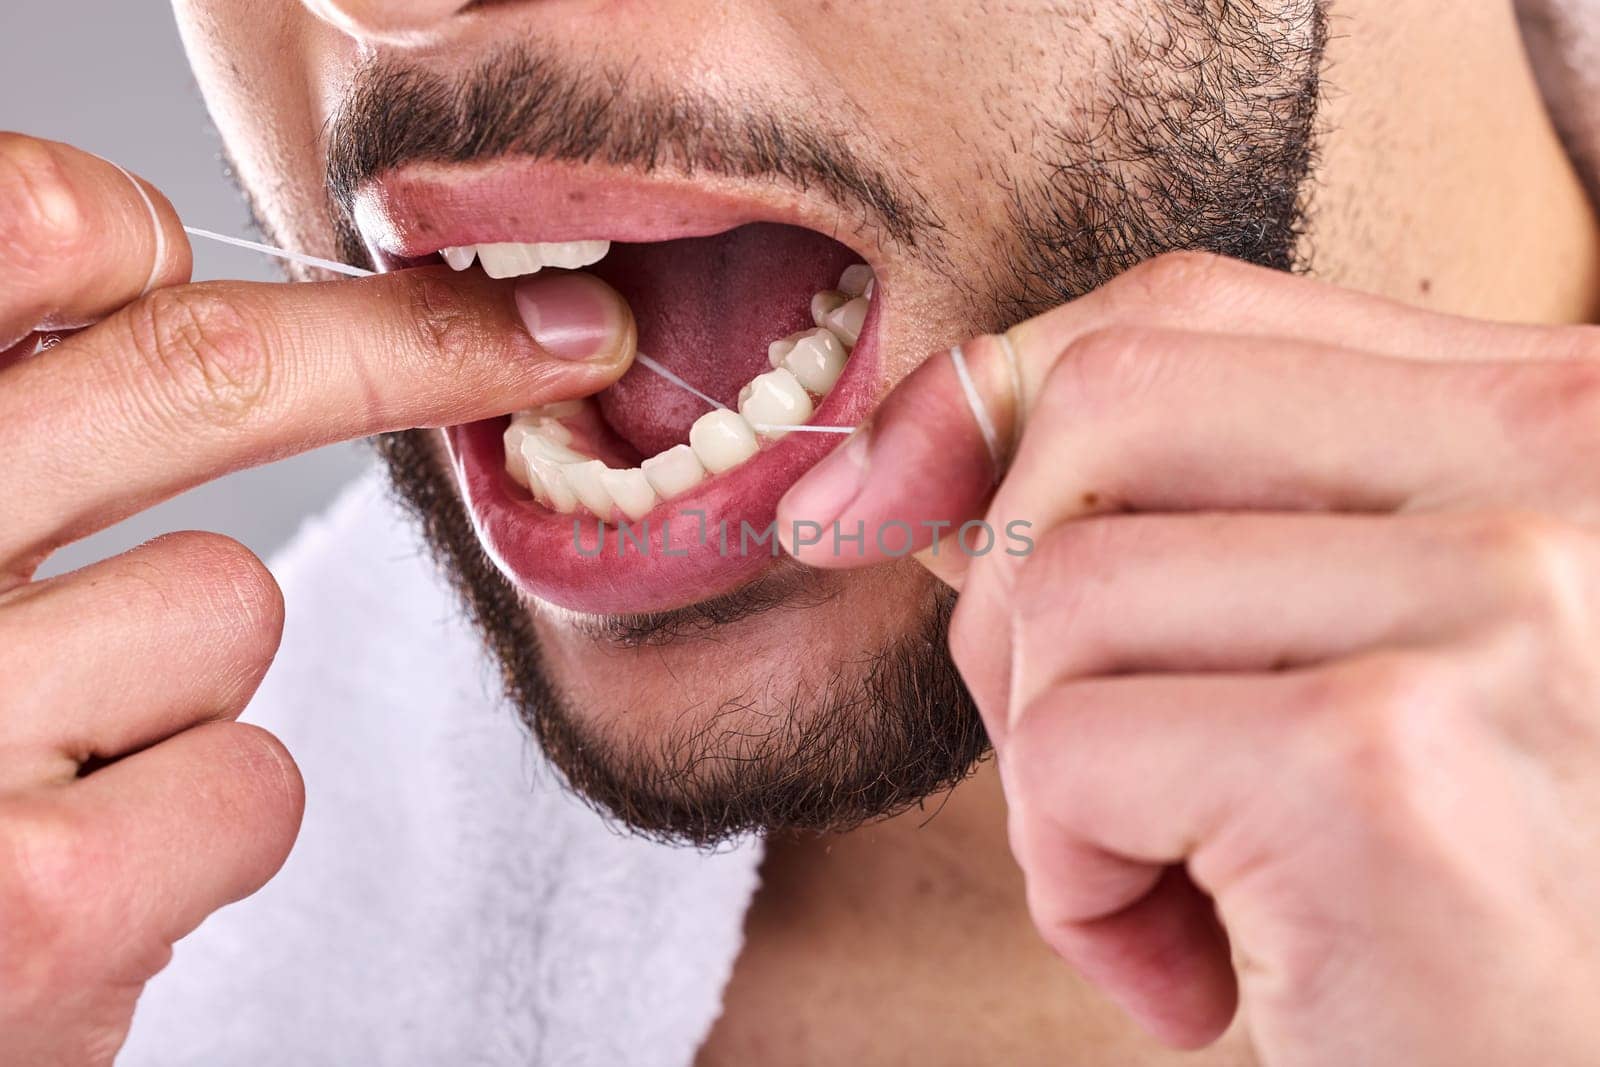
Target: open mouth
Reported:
point(646, 439)
point(645, 496)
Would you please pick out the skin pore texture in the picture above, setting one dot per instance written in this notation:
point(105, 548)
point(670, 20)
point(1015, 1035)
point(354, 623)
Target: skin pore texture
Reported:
point(1018, 156)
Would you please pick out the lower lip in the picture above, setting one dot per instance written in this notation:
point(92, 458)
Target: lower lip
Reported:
point(672, 558)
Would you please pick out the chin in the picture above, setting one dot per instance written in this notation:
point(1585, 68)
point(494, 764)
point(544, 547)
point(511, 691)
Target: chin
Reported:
point(832, 706)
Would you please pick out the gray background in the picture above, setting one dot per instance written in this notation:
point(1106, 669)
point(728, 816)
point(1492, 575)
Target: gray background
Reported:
point(111, 77)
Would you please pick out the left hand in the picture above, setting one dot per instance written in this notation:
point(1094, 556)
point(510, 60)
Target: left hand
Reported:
point(1309, 642)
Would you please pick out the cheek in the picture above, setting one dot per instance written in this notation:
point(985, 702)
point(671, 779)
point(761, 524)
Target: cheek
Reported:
point(972, 115)
point(925, 315)
point(260, 69)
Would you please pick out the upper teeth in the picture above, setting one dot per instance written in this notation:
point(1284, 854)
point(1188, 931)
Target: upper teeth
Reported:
point(545, 456)
point(511, 259)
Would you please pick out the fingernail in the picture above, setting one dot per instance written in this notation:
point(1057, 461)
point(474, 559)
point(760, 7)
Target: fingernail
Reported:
point(829, 488)
point(571, 316)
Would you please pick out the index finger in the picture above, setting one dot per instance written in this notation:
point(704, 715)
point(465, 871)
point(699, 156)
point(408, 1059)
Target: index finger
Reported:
point(196, 381)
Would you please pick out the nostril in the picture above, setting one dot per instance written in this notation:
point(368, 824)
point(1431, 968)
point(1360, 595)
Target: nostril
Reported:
point(377, 19)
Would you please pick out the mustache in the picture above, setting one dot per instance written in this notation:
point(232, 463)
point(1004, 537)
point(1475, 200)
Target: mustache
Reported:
point(524, 101)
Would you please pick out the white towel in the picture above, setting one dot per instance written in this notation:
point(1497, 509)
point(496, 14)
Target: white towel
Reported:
point(447, 903)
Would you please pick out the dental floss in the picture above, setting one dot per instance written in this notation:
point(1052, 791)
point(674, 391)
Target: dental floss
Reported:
point(804, 427)
point(650, 364)
point(155, 224)
point(268, 250)
point(980, 414)
point(766, 427)
point(356, 272)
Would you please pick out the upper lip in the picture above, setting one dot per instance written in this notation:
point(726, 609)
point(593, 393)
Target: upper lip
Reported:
point(414, 211)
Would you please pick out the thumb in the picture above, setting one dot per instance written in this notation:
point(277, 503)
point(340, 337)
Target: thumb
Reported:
point(918, 477)
point(579, 317)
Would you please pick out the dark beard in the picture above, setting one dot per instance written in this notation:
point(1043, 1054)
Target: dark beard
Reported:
point(1207, 143)
point(903, 729)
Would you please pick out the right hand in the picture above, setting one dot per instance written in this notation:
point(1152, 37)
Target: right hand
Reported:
point(132, 805)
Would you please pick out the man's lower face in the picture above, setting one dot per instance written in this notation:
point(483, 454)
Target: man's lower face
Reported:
point(685, 680)
point(804, 700)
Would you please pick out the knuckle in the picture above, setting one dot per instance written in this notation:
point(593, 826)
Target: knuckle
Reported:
point(1541, 565)
point(1551, 402)
point(446, 324)
point(1086, 547)
point(1551, 412)
point(41, 220)
point(1186, 279)
point(1105, 369)
point(202, 354)
point(1056, 586)
point(1377, 722)
point(42, 861)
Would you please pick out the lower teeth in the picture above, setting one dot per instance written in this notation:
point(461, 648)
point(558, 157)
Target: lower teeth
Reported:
point(541, 455)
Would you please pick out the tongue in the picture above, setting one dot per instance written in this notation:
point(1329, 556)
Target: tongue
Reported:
point(707, 308)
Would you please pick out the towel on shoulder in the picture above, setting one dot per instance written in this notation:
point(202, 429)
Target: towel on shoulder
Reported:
point(447, 902)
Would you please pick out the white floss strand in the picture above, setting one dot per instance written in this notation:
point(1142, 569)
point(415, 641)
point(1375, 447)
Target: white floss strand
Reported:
point(980, 414)
point(268, 250)
point(650, 364)
point(155, 224)
point(765, 427)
